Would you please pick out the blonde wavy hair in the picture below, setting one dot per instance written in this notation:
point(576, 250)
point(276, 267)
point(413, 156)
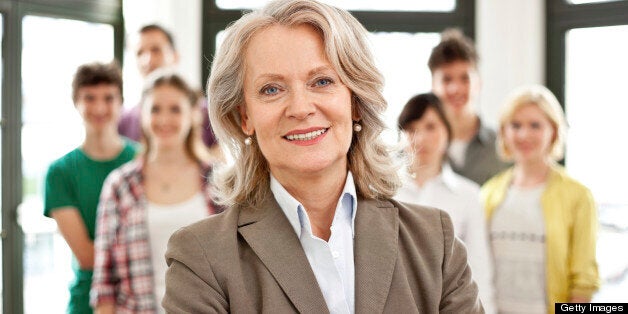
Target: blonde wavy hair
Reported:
point(542, 98)
point(246, 181)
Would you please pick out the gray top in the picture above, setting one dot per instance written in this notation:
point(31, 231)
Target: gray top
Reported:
point(481, 160)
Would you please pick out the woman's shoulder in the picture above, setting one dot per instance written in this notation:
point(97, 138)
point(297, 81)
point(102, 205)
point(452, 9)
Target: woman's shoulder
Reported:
point(567, 183)
point(125, 172)
point(419, 218)
point(214, 229)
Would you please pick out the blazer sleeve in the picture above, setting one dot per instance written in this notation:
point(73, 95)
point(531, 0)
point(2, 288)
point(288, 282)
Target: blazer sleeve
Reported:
point(583, 266)
point(190, 273)
point(460, 292)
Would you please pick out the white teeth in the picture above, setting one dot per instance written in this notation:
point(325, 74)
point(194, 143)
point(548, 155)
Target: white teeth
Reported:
point(306, 136)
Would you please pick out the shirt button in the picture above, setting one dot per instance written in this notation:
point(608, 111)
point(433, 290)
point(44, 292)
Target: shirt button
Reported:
point(335, 254)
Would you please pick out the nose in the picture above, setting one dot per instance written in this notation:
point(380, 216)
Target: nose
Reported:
point(453, 87)
point(300, 104)
point(523, 132)
point(100, 106)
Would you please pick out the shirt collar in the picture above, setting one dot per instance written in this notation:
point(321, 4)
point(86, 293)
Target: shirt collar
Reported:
point(291, 206)
point(447, 178)
point(484, 133)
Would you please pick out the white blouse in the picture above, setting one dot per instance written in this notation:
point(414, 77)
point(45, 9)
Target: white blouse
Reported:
point(163, 221)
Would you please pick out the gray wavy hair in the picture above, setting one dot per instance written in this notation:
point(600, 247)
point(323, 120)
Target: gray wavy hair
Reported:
point(246, 182)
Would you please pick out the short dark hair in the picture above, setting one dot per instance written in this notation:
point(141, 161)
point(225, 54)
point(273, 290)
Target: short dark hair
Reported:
point(159, 28)
point(415, 109)
point(96, 73)
point(453, 46)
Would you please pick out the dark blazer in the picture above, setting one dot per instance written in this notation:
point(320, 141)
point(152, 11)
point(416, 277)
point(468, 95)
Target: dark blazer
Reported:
point(250, 260)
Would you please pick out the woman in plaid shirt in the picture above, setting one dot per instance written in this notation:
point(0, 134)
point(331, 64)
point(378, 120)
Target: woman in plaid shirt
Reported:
point(146, 200)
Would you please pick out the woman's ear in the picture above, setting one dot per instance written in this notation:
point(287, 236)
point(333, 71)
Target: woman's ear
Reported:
point(244, 121)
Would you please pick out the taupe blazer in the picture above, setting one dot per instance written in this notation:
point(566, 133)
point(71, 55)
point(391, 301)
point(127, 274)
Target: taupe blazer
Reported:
point(250, 260)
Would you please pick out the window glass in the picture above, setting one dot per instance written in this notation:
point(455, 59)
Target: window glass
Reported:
point(402, 59)
point(52, 50)
point(358, 5)
point(596, 108)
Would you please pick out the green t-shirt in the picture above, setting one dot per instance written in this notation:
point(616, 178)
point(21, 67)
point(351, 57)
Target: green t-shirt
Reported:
point(75, 180)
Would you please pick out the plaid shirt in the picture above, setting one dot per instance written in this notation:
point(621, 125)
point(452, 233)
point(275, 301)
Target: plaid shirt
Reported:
point(122, 263)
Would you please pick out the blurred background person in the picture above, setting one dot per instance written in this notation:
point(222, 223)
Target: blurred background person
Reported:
point(430, 182)
point(73, 182)
point(310, 227)
point(156, 50)
point(147, 199)
point(542, 222)
point(456, 81)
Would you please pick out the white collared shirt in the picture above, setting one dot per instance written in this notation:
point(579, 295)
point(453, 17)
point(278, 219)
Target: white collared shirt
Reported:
point(460, 198)
point(332, 261)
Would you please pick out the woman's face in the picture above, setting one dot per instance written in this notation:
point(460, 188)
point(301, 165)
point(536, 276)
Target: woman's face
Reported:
point(167, 117)
point(529, 135)
point(427, 138)
point(295, 104)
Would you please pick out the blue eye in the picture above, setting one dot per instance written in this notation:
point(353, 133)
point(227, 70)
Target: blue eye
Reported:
point(270, 90)
point(323, 82)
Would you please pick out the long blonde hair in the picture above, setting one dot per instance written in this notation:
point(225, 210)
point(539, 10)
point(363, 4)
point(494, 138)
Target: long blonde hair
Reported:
point(369, 159)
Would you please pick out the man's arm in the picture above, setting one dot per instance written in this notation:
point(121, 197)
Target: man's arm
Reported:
point(73, 229)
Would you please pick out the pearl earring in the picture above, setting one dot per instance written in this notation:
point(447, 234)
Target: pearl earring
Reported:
point(357, 127)
point(248, 141)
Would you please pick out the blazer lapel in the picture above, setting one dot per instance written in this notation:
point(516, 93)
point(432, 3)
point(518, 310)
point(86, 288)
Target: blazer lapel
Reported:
point(269, 233)
point(375, 251)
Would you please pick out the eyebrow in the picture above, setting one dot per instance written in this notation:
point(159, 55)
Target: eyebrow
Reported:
point(273, 76)
point(320, 69)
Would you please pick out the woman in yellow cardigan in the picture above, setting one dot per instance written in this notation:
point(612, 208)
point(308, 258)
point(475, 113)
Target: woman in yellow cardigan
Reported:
point(542, 223)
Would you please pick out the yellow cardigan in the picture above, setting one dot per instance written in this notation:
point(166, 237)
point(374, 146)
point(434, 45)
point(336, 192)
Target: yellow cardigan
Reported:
point(571, 223)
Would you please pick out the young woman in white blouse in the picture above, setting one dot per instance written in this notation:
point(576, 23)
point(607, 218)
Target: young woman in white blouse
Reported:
point(430, 181)
point(146, 200)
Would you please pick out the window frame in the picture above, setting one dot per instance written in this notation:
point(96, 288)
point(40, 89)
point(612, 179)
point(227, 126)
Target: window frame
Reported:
point(216, 19)
point(561, 17)
point(13, 11)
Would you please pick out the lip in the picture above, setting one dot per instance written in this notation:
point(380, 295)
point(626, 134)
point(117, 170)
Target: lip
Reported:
point(305, 131)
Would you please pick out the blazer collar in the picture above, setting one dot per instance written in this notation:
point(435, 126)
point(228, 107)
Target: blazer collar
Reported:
point(269, 233)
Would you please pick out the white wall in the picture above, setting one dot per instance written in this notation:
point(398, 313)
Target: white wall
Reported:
point(510, 36)
point(183, 19)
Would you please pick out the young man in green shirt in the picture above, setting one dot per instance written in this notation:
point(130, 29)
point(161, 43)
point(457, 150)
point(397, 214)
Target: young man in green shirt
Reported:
point(74, 181)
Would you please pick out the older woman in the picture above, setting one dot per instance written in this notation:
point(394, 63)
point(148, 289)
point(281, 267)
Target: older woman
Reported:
point(310, 227)
point(542, 222)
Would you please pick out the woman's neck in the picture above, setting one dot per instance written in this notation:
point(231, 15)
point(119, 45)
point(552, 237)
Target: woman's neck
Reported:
point(168, 157)
point(319, 194)
point(531, 174)
point(102, 145)
point(464, 126)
